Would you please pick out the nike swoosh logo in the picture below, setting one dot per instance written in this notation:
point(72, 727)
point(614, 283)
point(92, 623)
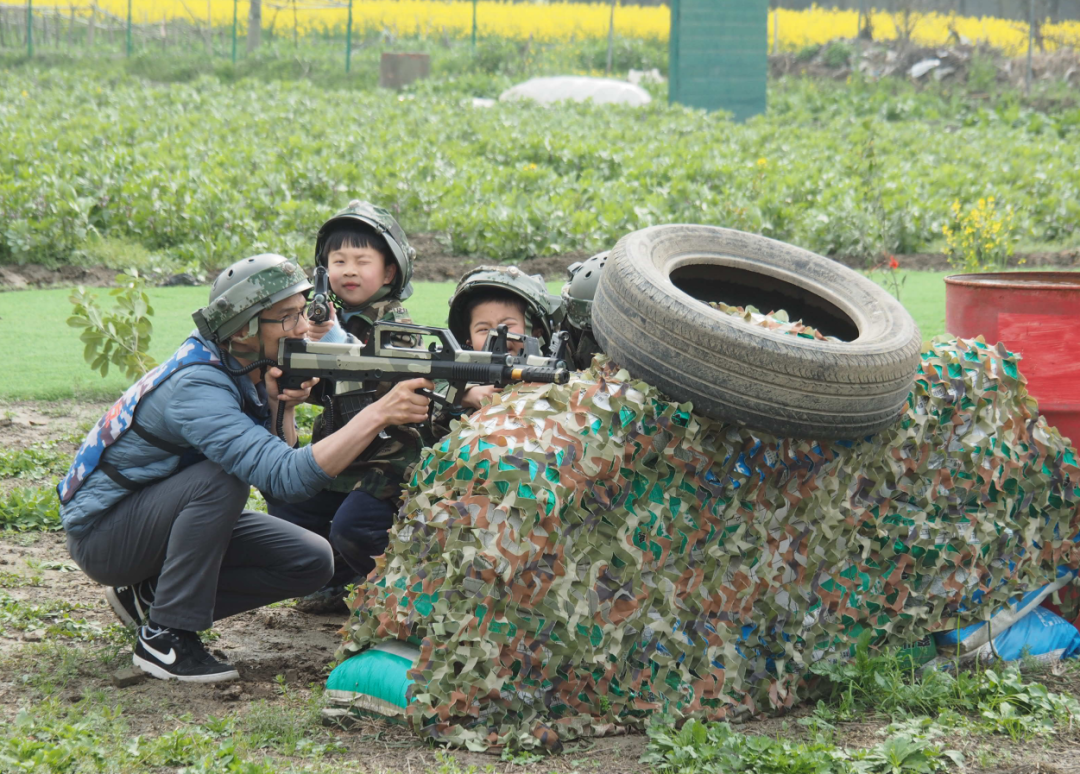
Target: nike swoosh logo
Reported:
point(162, 657)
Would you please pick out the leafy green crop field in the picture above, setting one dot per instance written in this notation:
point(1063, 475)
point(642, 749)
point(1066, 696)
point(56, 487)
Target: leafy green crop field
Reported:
point(49, 365)
point(205, 172)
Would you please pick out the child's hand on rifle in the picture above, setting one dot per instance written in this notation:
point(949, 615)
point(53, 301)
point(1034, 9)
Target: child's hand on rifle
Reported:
point(316, 331)
point(475, 395)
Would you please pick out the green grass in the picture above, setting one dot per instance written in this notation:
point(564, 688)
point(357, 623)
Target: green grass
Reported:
point(49, 365)
point(923, 294)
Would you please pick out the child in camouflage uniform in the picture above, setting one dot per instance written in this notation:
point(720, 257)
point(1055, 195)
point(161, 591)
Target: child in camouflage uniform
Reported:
point(369, 263)
point(489, 296)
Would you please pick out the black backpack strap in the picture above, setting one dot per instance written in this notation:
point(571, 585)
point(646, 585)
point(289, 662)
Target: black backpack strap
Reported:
point(160, 443)
point(110, 470)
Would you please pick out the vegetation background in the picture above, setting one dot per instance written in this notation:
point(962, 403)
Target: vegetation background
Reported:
point(173, 156)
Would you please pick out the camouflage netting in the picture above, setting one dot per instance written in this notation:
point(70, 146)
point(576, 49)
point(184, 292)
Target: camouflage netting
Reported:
point(575, 557)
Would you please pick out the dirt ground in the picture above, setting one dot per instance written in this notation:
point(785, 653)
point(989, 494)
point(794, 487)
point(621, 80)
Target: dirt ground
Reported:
point(435, 264)
point(282, 654)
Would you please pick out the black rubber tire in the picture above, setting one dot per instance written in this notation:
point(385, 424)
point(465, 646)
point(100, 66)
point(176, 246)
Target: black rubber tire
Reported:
point(787, 385)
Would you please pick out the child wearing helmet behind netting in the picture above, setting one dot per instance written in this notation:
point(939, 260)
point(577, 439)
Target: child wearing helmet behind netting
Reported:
point(577, 299)
point(490, 296)
point(369, 265)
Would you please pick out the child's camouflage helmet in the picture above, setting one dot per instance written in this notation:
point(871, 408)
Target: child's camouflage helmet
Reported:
point(544, 309)
point(385, 225)
point(244, 289)
point(580, 289)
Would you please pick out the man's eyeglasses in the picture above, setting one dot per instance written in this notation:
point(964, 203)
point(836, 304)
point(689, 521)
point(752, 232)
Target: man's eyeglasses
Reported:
point(288, 322)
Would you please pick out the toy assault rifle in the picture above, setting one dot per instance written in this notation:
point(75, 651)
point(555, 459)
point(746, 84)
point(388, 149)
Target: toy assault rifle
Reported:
point(394, 353)
point(318, 310)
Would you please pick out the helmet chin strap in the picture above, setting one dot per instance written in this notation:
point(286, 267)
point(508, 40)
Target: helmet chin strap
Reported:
point(257, 360)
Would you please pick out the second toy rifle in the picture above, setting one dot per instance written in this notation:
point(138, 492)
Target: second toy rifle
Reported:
point(319, 309)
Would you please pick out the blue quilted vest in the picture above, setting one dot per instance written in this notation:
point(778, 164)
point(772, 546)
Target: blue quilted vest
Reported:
point(121, 418)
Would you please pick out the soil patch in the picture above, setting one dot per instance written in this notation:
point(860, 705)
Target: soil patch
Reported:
point(1065, 259)
point(32, 275)
point(924, 65)
point(435, 263)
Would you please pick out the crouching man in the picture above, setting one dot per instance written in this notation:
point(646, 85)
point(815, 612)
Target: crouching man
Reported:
point(154, 503)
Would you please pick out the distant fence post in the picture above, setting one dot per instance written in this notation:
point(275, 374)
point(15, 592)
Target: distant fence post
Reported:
point(29, 27)
point(129, 29)
point(1031, 44)
point(235, 3)
point(348, 40)
point(610, 37)
point(474, 25)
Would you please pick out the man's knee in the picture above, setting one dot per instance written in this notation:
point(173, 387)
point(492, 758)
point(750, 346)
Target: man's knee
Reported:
point(315, 566)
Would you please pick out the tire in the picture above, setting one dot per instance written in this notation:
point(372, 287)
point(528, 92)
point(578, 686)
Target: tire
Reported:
point(649, 316)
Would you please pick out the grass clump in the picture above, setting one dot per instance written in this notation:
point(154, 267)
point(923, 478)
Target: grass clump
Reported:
point(53, 618)
point(715, 748)
point(30, 509)
point(33, 462)
point(981, 700)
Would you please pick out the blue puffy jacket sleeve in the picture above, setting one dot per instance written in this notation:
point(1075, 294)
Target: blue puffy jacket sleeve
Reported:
point(206, 411)
point(338, 335)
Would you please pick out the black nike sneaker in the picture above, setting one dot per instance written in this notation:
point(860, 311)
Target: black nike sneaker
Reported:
point(175, 654)
point(132, 603)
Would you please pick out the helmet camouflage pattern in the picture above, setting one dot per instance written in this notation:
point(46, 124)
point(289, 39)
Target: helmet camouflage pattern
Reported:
point(385, 225)
point(244, 289)
point(544, 309)
point(580, 289)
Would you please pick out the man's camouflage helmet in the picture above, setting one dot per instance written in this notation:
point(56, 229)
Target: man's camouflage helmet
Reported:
point(544, 309)
point(244, 289)
point(385, 225)
point(580, 289)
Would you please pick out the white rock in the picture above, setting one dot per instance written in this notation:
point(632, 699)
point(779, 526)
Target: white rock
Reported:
point(919, 69)
point(577, 89)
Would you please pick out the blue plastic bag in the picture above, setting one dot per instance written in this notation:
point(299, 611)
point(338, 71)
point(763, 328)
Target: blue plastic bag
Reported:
point(1043, 634)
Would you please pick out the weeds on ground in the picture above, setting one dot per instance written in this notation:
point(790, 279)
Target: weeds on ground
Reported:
point(51, 618)
point(15, 580)
point(985, 700)
point(33, 462)
point(54, 735)
point(30, 509)
point(714, 748)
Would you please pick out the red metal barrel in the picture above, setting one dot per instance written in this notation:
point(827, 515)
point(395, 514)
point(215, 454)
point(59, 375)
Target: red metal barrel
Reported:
point(1036, 314)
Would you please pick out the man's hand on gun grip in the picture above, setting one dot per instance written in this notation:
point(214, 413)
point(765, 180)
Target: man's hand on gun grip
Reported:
point(291, 397)
point(403, 405)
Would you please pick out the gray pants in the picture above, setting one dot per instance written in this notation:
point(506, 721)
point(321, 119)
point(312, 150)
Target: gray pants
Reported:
point(211, 558)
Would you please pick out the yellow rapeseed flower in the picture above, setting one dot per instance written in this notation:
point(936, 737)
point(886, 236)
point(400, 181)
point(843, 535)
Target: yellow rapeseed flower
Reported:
point(564, 21)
